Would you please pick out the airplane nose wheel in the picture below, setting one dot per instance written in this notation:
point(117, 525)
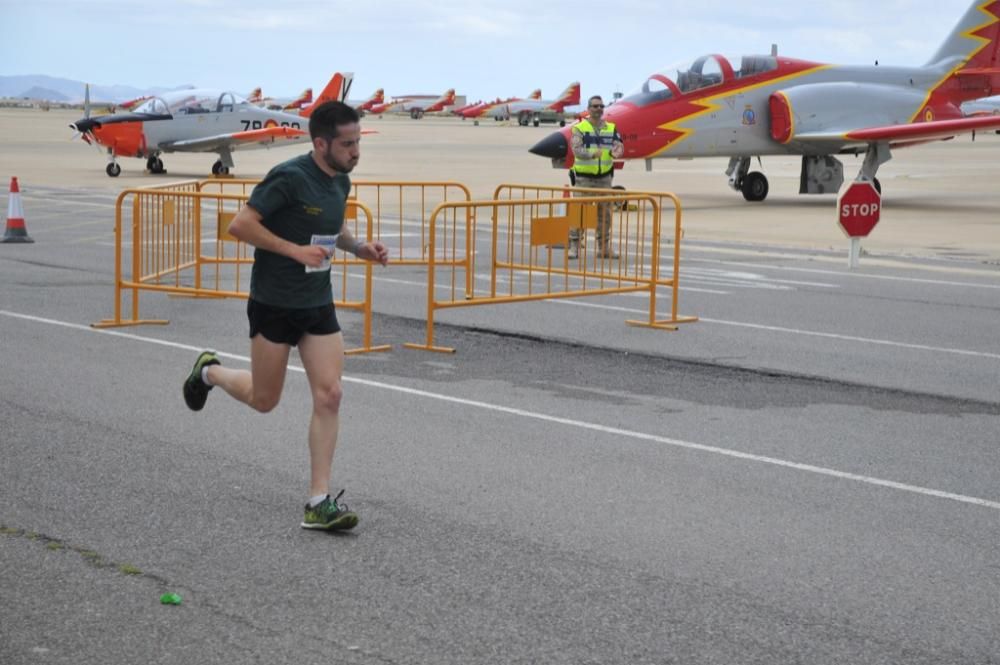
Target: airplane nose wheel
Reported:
point(754, 186)
point(113, 170)
point(219, 169)
point(155, 165)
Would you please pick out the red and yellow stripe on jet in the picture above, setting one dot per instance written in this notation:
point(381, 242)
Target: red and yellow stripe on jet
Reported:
point(675, 134)
point(937, 93)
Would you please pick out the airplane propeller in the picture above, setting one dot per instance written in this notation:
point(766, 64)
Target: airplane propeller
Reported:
point(84, 128)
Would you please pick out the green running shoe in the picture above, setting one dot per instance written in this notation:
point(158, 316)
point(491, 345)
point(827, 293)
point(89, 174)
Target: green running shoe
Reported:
point(196, 390)
point(329, 515)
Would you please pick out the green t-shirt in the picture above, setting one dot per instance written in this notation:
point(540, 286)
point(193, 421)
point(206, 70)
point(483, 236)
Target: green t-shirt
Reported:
point(297, 202)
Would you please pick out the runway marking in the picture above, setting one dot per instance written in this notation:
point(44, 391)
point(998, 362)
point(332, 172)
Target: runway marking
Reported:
point(890, 278)
point(69, 202)
point(580, 424)
point(757, 326)
point(797, 331)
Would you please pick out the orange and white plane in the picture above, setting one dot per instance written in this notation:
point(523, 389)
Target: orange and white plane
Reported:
point(535, 111)
point(769, 105)
point(417, 105)
point(377, 97)
point(535, 94)
point(257, 98)
point(484, 108)
point(199, 120)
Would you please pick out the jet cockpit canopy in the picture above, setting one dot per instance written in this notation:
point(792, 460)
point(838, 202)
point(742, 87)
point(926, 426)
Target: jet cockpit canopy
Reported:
point(704, 72)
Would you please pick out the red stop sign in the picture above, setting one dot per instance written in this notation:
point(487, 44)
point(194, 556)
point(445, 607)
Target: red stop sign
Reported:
point(858, 209)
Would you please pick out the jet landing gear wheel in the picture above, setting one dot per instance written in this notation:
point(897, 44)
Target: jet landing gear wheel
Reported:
point(113, 170)
point(219, 169)
point(754, 186)
point(155, 165)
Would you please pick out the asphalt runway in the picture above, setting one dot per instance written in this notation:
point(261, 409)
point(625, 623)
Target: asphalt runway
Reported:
point(806, 475)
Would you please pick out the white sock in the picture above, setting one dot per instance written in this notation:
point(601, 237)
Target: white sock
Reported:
point(316, 500)
point(204, 375)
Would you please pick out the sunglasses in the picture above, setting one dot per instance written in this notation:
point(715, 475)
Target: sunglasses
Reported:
point(597, 106)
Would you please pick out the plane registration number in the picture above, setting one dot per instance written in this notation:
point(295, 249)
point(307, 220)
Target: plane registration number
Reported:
point(257, 124)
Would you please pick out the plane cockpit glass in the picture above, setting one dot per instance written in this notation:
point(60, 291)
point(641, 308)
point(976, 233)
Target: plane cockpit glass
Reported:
point(153, 106)
point(657, 88)
point(189, 102)
point(193, 102)
point(230, 101)
point(756, 64)
point(704, 72)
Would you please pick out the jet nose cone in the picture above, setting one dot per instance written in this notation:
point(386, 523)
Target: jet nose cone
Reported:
point(553, 146)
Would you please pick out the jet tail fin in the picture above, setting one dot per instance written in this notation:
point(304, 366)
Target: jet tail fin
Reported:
point(335, 91)
point(975, 40)
point(571, 95)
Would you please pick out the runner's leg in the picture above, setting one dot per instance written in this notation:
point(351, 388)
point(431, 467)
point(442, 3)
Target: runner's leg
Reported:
point(260, 388)
point(323, 359)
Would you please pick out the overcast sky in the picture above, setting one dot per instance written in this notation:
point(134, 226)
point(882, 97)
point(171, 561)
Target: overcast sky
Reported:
point(483, 49)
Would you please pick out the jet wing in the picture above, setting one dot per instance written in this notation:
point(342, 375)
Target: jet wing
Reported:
point(917, 131)
point(263, 136)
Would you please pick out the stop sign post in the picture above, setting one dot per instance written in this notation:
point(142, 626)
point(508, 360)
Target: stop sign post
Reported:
point(858, 211)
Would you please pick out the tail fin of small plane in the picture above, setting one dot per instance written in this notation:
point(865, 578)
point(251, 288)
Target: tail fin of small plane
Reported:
point(571, 95)
point(304, 98)
point(335, 91)
point(974, 43)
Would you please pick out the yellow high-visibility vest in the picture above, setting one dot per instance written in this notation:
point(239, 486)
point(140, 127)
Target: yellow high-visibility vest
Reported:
point(601, 163)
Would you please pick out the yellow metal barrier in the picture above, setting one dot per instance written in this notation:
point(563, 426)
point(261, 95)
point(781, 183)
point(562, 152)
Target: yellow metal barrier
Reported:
point(517, 191)
point(400, 210)
point(173, 250)
point(527, 257)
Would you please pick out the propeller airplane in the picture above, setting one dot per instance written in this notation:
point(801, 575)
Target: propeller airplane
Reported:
point(198, 120)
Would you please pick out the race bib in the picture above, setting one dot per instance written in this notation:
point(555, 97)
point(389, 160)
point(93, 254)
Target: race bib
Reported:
point(327, 242)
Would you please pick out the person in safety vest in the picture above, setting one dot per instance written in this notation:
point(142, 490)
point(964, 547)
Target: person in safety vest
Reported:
point(596, 143)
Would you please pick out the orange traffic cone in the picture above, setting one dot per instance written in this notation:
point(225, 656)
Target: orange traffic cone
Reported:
point(15, 231)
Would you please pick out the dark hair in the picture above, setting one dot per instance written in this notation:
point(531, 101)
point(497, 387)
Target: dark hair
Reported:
point(593, 97)
point(328, 116)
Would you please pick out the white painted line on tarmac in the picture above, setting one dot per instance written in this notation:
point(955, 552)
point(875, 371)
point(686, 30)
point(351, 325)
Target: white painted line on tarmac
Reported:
point(798, 331)
point(69, 203)
point(852, 338)
point(890, 278)
point(579, 424)
point(741, 324)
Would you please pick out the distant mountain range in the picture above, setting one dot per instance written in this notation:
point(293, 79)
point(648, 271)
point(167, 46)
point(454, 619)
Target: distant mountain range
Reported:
point(55, 89)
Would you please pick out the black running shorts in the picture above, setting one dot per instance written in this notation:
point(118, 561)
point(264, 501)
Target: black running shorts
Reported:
point(282, 325)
